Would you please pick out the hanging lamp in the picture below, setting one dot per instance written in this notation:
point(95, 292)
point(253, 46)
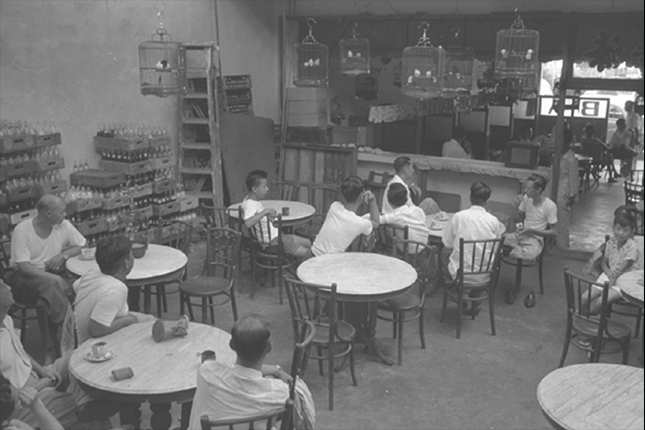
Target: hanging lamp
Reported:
point(516, 55)
point(354, 54)
point(310, 65)
point(162, 64)
point(422, 69)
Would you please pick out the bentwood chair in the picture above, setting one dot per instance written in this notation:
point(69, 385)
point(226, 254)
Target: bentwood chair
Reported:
point(285, 190)
point(228, 218)
point(321, 196)
point(222, 246)
point(334, 339)
point(376, 183)
point(363, 243)
point(386, 237)
point(520, 264)
point(268, 251)
point(476, 274)
point(423, 258)
point(175, 234)
point(595, 334)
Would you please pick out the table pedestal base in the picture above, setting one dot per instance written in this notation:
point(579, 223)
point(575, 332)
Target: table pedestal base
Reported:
point(363, 317)
point(161, 418)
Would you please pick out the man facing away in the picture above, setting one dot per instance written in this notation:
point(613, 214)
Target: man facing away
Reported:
point(474, 223)
point(539, 216)
point(405, 176)
point(404, 215)
point(244, 389)
point(40, 246)
point(101, 305)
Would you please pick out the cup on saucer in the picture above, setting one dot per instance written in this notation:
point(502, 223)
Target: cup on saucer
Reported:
point(99, 350)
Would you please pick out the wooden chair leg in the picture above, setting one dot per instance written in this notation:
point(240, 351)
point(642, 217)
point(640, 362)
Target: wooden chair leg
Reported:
point(204, 311)
point(421, 328)
point(233, 303)
point(491, 312)
point(459, 309)
point(445, 302)
point(540, 273)
point(159, 295)
point(331, 377)
point(212, 310)
point(400, 340)
point(182, 305)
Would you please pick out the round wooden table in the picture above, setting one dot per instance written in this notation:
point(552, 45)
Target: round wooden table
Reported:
point(299, 212)
point(363, 278)
point(593, 396)
point(630, 288)
point(159, 265)
point(163, 372)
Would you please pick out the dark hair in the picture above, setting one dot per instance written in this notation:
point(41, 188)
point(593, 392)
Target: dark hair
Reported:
point(253, 179)
point(250, 337)
point(6, 399)
point(458, 132)
point(351, 188)
point(590, 130)
point(401, 163)
point(539, 181)
point(621, 121)
point(479, 193)
point(625, 217)
point(111, 251)
point(397, 195)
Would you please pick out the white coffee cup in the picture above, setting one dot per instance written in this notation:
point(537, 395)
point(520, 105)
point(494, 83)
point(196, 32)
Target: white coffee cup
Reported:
point(99, 349)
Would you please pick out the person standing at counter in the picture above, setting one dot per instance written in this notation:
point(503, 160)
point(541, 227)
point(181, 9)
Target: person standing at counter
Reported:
point(405, 176)
point(458, 146)
point(567, 188)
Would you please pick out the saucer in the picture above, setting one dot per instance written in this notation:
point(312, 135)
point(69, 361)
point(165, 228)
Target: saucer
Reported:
point(443, 217)
point(435, 226)
point(93, 359)
point(91, 257)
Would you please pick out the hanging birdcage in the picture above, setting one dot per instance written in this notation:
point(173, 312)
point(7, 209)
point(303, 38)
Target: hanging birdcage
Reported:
point(162, 66)
point(516, 55)
point(458, 75)
point(423, 68)
point(310, 65)
point(354, 55)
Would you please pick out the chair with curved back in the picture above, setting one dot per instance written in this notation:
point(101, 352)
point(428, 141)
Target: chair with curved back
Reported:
point(317, 303)
point(321, 196)
point(285, 190)
point(218, 279)
point(376, 183)
point(423, 258)
point(521, 263)
point(595, 334)
point(268, 250)
point(175, 234)
point(228, 218)
point(478, 273)
point(363, 243)
point(387, 236)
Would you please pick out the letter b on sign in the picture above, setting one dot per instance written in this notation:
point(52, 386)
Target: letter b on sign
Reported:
point(590, 108)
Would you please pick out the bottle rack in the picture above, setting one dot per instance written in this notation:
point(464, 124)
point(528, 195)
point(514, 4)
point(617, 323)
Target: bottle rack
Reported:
point(235, 94)
point(30, 164)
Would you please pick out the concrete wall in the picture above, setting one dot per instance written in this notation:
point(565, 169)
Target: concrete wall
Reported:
point(76, 61)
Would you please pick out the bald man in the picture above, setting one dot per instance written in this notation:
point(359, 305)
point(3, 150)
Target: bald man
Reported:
point(40, 246)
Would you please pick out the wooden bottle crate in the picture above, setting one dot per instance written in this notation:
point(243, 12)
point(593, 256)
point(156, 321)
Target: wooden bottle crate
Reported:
point(159, 187)
point(83, 205)
point(97, 178)
point(48, 140)
point(166, 208)
point(95, 226)
point(116, 202)
point(127, 168)
point(17, 169)
point(188, 203)
point(15, 218)
point(114, 144)
point(53, 188)
point(51, 164)
point(22, 193)
point(163, 162)
point(143, 190)
point(157, 141)
point(17, 143)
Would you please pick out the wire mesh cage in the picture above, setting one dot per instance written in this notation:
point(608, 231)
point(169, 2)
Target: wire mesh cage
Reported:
point(162, 66)
point(516, 54)
point(310, 68)
point(422, 72)
point(458, 73)
point(354, 55)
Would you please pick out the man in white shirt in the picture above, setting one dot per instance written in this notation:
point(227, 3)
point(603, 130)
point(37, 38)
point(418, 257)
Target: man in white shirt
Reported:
point(405, 176)
point(244, 389)
point(403, 215)
point(634, 122)
point(342, 225)
point(101, 305)
point(40, 246)
point(458, 146)
point(474, 223)
point(620, 146)
point(539, 216)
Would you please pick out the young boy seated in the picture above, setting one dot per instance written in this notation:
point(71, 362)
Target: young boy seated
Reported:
point(342, 225)
point(412, 216)
point(254, 212)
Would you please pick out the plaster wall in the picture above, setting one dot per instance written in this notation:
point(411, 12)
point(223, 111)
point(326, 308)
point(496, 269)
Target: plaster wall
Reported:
point(76, 61)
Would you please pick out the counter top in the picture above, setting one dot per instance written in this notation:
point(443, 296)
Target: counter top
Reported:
point(458, 165)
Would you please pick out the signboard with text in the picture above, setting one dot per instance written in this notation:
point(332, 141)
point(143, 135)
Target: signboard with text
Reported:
point(589, 108)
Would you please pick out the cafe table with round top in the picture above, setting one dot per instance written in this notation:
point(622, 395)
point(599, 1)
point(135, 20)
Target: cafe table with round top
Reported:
point(159, 264)
point(364, 279)
point(163, 372)
point(631, 286)
point(436, 223)
point(299, 213)
point(593, 396)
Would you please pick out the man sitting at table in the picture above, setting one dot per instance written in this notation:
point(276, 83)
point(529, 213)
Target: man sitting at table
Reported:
point(40, 246)
point(254, 213)
point(101, 305)
point(474, 223)
point(404, 215)
point(342, 225)
point(458, 146)
point(405, 176)
point(247, 388)
point(539, 216)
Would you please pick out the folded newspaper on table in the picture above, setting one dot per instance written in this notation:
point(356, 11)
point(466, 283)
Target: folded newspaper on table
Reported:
point(162, 330)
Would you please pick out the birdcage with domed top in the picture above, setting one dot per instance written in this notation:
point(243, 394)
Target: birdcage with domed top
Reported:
point(162, 65)
point(354, 55)
point(516, 55)
point(422, 68)
point(310, 64)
